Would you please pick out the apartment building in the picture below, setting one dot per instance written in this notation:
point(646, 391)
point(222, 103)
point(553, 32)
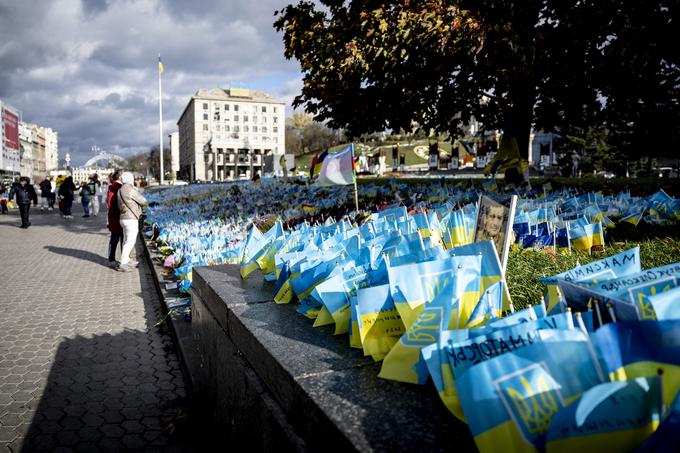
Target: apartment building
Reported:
point(227, 134)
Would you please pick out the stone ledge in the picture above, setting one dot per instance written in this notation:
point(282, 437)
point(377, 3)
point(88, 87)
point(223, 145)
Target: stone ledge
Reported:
point(329, 393)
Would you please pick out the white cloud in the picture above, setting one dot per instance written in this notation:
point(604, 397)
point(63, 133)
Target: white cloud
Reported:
point(87, 68)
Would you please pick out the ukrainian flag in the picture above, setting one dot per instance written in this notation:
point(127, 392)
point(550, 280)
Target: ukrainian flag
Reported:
point(491, 273)
point(437, 295)
point(380, 325)
point(160, 65)
point(253, 247)
point(619, 265)
point(614, 416)
point(490, 305)
point(509, 401)
point(633, 349)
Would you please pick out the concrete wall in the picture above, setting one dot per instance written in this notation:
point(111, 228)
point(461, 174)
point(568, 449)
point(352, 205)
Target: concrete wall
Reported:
point(271, 381)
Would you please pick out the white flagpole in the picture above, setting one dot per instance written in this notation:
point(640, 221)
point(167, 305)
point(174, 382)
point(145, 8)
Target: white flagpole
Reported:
point(160, 119)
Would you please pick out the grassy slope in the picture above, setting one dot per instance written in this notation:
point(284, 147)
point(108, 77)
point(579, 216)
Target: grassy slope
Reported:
point(658, 247)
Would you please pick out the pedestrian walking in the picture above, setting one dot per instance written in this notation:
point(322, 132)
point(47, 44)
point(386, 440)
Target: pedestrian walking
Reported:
point(46, 194)
point(130, 203)
point(24, 193)
point(113, 217)
point(67, 192)
point(96, 189)
point(85, 198)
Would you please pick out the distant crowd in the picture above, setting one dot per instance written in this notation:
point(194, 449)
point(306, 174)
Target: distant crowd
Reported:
point(124, 204)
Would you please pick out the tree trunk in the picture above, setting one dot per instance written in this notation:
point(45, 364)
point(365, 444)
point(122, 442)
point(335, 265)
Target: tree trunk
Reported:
point(522, 114)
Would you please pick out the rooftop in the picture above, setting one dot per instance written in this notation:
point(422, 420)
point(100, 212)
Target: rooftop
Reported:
point(233, 94)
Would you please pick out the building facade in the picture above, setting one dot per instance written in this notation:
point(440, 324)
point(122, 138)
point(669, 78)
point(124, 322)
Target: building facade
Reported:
point(10, 161)
point(26, 150)
point(225, 134)
point(51, 161)
point(174, 153)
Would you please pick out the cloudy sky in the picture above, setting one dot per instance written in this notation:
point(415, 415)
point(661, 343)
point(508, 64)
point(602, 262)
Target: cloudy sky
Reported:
point(88, 68)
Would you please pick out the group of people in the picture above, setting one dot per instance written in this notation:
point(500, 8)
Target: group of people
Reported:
point(124, 202)
point(126, 206)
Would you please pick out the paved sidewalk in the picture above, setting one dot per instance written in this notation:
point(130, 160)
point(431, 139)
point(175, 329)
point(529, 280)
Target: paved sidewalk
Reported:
point(82, 363)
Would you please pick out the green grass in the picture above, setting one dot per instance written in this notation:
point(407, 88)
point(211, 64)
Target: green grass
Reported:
point(526, 267)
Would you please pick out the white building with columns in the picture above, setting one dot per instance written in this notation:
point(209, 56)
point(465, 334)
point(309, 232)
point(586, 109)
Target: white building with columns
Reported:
point(227, 134)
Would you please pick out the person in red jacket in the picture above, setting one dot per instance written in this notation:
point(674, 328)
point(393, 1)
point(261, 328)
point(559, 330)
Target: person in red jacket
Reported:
point(113, 220)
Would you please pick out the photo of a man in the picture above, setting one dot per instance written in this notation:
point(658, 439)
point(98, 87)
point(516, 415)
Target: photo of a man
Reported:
point(494, 223)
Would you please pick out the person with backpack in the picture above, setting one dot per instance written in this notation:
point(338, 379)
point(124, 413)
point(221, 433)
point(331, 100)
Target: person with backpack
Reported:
point(46, 194)
point(24, 193)
point(67, 191)
point(131, 204)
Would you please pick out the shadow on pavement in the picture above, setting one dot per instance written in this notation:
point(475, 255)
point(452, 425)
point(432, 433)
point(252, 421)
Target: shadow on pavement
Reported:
point(121, 391)
point(81, 254)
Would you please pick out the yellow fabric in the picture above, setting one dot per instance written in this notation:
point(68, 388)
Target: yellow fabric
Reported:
point(612, 441)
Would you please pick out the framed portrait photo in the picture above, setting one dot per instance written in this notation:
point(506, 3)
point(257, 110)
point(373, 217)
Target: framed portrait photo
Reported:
point(494, 222)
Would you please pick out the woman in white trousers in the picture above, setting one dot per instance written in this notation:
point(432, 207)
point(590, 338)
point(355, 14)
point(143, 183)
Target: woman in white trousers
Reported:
point(130, 203)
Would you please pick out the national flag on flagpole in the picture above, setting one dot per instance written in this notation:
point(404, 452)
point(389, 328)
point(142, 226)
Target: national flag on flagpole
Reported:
point(337, 168)
point(160, 65)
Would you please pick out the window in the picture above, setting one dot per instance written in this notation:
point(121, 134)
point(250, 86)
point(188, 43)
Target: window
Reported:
point(216, 116)
point(254, 128)
point(275, 129)
point(226, 107)
point(264, 119)
point(275, 119)
point(254, 109)
point(236, 108)
point(205, 127)
point(274, 109)
point(276, 139)
point(205, 117)
point(245, 118)
point(245, 128)
point(235, 117)
point(264, 109)
point(205, 106)
point(217, 127)
point(254, 119)
point(226, 128)
point(218, 136)
point(237, 129)
point(264, 129)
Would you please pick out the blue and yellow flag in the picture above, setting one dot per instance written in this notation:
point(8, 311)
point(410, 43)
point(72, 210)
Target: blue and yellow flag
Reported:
point(437, 296)
point(633, 349)
point(380, 325)
point(491, 273)
point(666, 305)
point(586, 237)
point(510, 400)
point(254, 245)
point(636, 288)
point(614, 416)
point(490, 305)
point(619, 265)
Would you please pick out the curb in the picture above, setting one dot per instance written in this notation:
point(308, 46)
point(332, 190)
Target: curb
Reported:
point(179, 328)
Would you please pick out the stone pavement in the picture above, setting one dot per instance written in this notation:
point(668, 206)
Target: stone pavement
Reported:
point(83, 365)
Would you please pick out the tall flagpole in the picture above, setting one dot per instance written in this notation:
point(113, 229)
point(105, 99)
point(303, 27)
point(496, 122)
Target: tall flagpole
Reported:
point(354, 173)
point(160, 117)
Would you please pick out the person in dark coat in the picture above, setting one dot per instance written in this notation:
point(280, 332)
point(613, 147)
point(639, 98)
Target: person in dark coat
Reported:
point(66, 193)
point(25, 193)
point(113, 218)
